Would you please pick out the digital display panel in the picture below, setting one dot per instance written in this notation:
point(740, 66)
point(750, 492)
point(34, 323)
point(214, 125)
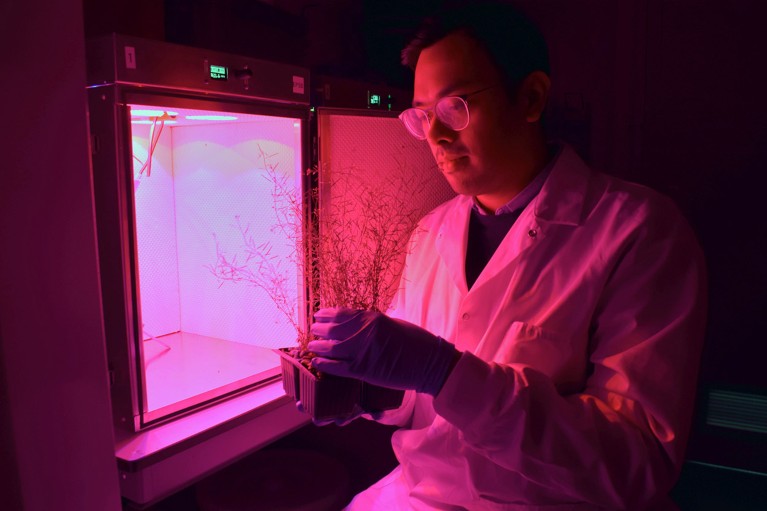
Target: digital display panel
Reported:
point(219, 72)
point(379, 100)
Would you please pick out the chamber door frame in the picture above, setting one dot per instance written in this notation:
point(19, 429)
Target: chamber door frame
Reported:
point(111, 142)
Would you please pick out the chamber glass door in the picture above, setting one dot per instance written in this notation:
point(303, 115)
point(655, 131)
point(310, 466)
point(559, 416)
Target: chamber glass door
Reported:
point(220, 282)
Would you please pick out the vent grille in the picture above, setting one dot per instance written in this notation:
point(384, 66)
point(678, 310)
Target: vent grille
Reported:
point(737, 410)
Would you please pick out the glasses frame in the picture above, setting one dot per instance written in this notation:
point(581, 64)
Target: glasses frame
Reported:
point(429, 113)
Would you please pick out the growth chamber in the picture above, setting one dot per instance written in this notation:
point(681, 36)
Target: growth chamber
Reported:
point(198, 156)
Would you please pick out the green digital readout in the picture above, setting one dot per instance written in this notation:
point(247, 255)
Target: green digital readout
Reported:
point(219, 72)
point(379, 100)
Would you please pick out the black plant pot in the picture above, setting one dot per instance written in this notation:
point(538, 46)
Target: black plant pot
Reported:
point(291, 381)
point(327, 397)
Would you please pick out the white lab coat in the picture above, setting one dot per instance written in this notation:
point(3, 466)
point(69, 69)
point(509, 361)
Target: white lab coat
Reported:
point(581, 342)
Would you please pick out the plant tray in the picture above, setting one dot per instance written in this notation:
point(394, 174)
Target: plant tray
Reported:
point(290, 374)
point(327, 396)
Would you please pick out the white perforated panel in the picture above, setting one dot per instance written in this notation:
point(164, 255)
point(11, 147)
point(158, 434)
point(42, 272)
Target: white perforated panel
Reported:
point(379, 149)
point(374, 175)
point(156, 234)
point(208, 185)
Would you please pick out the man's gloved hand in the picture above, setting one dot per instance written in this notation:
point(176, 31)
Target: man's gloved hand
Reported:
point(375, 348)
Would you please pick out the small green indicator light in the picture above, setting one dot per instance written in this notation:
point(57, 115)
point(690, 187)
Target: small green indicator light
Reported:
point(219, 73)
point(375, 99)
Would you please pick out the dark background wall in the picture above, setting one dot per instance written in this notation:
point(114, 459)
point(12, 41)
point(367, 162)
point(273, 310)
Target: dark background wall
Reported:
point(56, 441)
point(663, 92)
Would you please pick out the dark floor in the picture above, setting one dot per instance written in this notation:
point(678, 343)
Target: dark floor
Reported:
point(363, 448)
point(710, 488)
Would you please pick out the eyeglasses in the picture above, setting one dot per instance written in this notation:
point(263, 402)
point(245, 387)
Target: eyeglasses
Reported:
point(452, 111)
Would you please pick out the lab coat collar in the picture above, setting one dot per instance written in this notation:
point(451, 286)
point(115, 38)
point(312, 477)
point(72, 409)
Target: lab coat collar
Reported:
point(562, 198)
point(452, 239)
point(560, 201)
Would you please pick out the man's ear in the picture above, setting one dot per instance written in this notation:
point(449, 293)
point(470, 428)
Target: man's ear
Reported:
point(533, 95)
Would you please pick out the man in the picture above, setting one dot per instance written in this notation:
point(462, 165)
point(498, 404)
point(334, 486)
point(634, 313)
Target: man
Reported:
point(550, 319)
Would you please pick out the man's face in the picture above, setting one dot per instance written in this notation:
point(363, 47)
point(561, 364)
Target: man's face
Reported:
point(489, 159)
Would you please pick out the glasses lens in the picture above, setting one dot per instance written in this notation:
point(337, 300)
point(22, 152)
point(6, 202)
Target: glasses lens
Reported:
point(416, 121)
point(453, 112)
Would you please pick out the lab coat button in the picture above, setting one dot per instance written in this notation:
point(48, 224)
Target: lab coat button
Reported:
point(532, 233)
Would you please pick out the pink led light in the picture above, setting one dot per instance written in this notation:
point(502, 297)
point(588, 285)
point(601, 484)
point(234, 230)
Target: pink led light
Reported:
point(146, 121)
point(142, 112)
point(211, 117)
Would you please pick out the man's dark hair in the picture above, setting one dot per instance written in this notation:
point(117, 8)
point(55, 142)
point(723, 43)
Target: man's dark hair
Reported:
point(513, 42)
